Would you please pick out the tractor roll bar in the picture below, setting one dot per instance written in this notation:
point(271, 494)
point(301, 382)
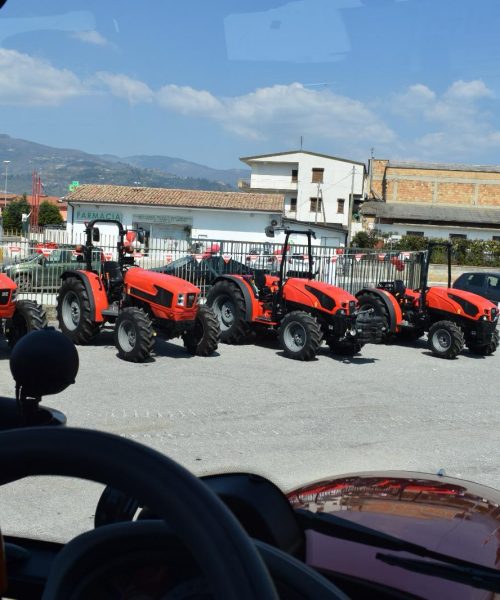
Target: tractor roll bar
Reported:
point(425, 270)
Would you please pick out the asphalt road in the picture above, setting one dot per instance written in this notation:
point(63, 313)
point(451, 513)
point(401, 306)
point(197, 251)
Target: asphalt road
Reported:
point(250, 408)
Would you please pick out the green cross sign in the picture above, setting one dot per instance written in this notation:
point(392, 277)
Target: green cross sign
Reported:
point(73, 185)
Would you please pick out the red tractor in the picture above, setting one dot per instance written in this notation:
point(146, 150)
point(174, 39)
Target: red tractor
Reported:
point(452, 318)
point(303, 311)
point(17, 317)
point(138, 303)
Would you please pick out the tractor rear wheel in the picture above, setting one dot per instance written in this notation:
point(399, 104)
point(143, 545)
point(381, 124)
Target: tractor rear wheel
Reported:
point(134, 335)
point(344, 347)
point(73, 312)
point(228, 304)
point(203, 338)
point(485, 349)
point(367, 301)
point(300, 335)
point(29, 316)
point(445, 339)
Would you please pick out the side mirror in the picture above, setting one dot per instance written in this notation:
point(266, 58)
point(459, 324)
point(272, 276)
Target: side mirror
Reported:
point(96, 234)
point(269, 231)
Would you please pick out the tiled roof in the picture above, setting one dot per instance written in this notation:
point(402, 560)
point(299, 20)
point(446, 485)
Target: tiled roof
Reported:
point(147, 196)
point(432, 213)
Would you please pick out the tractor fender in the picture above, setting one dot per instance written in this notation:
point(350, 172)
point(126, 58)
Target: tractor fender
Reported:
point(390, 303)
point(246, 290)
point(98, 298)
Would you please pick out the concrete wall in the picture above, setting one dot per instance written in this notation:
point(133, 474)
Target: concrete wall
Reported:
point(178, 223)
point(431, 231)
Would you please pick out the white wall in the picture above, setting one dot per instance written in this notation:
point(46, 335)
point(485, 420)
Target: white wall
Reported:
point(208, 223)
point(275, 172)
point(438, 232)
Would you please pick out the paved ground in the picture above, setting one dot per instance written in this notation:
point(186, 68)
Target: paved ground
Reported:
point(392, 407)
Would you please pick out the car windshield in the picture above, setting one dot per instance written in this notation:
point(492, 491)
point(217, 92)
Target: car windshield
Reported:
point(290, 161)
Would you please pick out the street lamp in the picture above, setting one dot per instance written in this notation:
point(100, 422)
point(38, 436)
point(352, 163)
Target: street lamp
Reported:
point(6, 163)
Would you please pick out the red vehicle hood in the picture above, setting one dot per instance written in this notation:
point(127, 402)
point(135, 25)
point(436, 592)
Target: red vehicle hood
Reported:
point(451, 516)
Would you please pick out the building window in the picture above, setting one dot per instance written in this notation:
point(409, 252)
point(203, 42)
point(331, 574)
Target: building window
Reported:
point(340, 206)
point(295, 175)
point(415, 233)
point(316, 205)
point(496, 238)
point(317, 175)
point(293, 204)
point(458, 236)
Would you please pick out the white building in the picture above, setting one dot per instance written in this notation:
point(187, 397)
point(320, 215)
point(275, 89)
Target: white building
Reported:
point(176, 214)
point(317, 188)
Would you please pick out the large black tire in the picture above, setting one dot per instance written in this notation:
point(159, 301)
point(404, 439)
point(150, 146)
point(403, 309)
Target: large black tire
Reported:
point(367, 301)
point(228, 304)
point(345, 347)
point(28, 316)
point(300, 335)
point(73, 312)
point(134, 335)
point(485, 349)
point(445, 339)
point(203, 338)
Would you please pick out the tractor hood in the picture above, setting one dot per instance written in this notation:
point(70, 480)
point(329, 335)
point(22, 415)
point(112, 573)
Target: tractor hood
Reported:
point(142, 279)
point(461, 302)
point(6, 283)
point(322, 296)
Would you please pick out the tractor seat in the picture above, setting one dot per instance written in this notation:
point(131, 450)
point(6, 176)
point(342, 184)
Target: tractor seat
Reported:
point(259, 278)
point(399, 288)
point(112, 272)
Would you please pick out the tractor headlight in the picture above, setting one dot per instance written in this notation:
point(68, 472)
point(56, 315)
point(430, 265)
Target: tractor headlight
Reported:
point(341, 312)
point(180, 300)
point(191, 299)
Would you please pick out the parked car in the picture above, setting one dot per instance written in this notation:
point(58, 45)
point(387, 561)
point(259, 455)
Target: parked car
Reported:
point(484, 284)
point(43, 271)
point(202, 270)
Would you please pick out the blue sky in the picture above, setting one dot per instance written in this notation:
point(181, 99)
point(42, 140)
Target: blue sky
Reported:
point(213, 80)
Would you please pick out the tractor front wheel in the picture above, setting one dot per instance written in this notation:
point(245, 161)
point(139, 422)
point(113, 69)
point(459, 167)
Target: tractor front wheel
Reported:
point(28, 316)
point(345, 347)
point(300, 335)
point(228, 304)
point(485, 349)
point(446, 339)
point(73, 312)
point(203, 338)
point(134, 335)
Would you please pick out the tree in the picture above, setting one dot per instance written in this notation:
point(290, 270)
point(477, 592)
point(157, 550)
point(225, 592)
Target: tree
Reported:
point(12, 213)
point(49, 214)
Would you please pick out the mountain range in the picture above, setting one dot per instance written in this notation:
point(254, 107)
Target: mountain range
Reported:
point(58, 167)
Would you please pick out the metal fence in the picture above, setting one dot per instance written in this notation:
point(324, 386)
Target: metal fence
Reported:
point(36, 263)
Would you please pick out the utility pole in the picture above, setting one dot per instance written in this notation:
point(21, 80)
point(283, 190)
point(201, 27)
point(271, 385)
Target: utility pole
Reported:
point(350, 206)
point(6, 163)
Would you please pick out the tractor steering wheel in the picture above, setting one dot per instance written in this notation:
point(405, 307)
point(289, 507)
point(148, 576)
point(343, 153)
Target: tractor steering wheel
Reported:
point(221, 548)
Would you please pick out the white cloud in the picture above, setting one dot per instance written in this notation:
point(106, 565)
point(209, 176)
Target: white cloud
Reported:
point(25, 80)
point(455, 124)
point(90, 36)
point(281, 110)
point(125, 87)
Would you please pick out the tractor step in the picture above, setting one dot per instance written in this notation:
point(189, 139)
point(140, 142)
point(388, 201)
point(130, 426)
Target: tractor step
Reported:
point(266, 320)
point(110, 312)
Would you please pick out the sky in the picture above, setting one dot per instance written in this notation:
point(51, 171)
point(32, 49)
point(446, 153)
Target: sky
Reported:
point(213, 80)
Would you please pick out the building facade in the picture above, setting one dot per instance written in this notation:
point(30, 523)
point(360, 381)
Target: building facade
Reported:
point(176, 214)
point(435, 200)
point(317, 188)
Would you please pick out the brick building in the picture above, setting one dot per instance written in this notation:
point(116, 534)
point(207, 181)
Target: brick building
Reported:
point(435, 200)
